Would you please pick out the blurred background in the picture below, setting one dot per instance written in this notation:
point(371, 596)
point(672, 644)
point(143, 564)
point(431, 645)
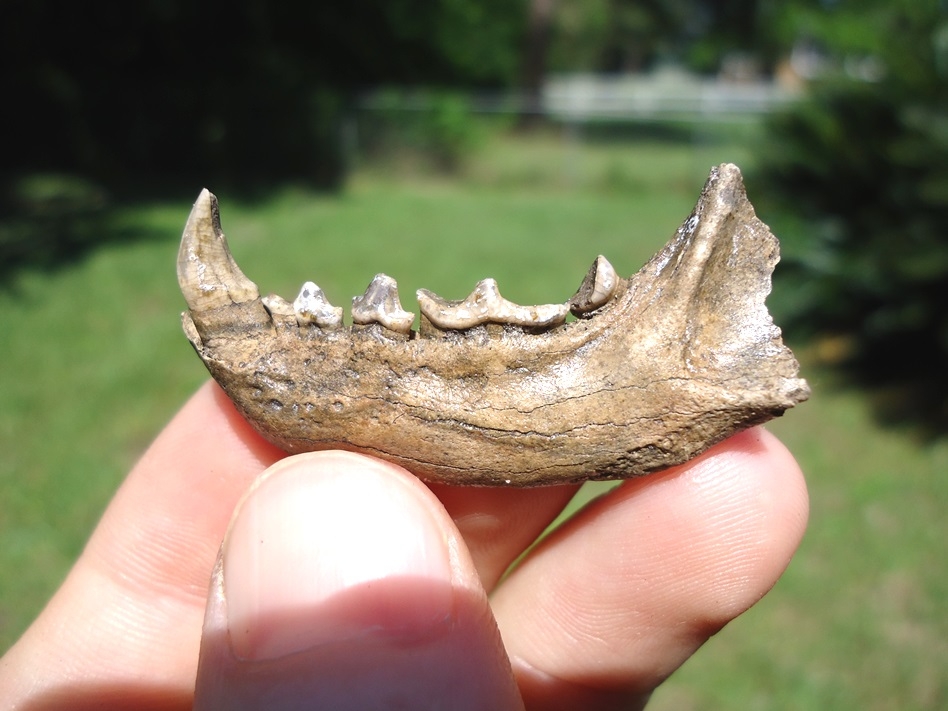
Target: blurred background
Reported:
point(447, 141)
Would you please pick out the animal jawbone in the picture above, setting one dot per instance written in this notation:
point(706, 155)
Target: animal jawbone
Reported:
point(654, 370)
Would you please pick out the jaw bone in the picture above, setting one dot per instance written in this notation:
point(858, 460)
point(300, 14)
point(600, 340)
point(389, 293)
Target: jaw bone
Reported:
point(656, 369)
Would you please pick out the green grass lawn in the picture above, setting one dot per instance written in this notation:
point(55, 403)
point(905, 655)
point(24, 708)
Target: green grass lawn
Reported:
point(93, 364)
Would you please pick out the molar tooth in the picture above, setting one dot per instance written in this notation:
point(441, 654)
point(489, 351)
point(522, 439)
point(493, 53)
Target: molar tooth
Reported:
point(311, 306)
point(380, 304)
point(207, 273)
point(486, 305)
point(598, 287)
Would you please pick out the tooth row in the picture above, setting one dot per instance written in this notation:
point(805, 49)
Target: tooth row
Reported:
point(486, 305)
point(210, 279)
point(380, 304)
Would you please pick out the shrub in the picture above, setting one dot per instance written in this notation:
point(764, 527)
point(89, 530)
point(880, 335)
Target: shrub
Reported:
point(861, 169)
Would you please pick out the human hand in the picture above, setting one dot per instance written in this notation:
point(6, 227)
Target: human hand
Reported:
point(344, 582)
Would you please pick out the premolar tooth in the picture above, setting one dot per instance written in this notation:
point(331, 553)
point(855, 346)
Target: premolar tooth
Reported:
point(280, 310)
point(207, 273)
point(380, 304)
point(486, 305)
point(597, 288)
point(311, 306)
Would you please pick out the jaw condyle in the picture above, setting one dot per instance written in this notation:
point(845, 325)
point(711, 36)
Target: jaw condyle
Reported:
point(653, 370)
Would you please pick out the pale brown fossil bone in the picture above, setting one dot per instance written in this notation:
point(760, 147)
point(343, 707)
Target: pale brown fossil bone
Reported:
point(658, 368)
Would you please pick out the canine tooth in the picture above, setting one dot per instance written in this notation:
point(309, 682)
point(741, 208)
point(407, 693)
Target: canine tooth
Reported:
point(598, 287)
point(311, 306)
point(380, 304)
point(207, 273)
point(486, 305)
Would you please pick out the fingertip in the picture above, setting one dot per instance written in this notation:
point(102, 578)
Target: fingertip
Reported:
point(277, 565)
point(733, 519)
point(674, 557)
point(343, 580)
point(756, 474)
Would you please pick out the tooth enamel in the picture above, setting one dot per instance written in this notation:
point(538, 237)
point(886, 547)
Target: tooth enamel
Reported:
point(486, 305)
point(598, 287)
point(380, 304)
point(280, 310)
point(311, 306)
point(207, 273)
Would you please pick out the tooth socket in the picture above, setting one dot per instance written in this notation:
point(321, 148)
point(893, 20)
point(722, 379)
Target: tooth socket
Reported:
point(598, 288)
point(380, 304)
point(427, 329)
point(232, 321)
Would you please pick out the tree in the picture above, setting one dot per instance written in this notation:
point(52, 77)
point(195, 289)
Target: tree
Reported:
point(535, 49)
point(863, 165)
point(630, 35)
point(244, 91)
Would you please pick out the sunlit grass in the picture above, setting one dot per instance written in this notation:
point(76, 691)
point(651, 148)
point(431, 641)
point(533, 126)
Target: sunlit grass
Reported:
point(93, 364)
point(860, 619)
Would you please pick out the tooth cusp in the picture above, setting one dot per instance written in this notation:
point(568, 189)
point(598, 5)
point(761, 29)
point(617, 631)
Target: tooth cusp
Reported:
point(598, 288)
point(312, 307)
point(486, 305)
point(380, 304)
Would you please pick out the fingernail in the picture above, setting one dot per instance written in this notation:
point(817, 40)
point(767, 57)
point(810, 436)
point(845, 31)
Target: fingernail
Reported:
point(315, 547)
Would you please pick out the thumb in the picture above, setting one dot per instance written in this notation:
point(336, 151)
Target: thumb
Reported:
point(342, 583)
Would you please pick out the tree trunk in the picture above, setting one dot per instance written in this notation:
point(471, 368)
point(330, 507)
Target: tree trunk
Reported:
point(533, 72)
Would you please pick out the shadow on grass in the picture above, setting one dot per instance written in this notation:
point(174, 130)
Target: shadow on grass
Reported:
point(887, 340)
point(49, 220)
point(904, 389)
point(914, 397)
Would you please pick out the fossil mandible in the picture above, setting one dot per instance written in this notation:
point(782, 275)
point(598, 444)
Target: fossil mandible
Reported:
point(653, 370)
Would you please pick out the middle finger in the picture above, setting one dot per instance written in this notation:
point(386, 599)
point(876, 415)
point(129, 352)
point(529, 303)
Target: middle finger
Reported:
point(499, 524)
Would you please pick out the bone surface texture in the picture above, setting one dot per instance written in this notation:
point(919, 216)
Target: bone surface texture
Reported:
point(656, 368)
